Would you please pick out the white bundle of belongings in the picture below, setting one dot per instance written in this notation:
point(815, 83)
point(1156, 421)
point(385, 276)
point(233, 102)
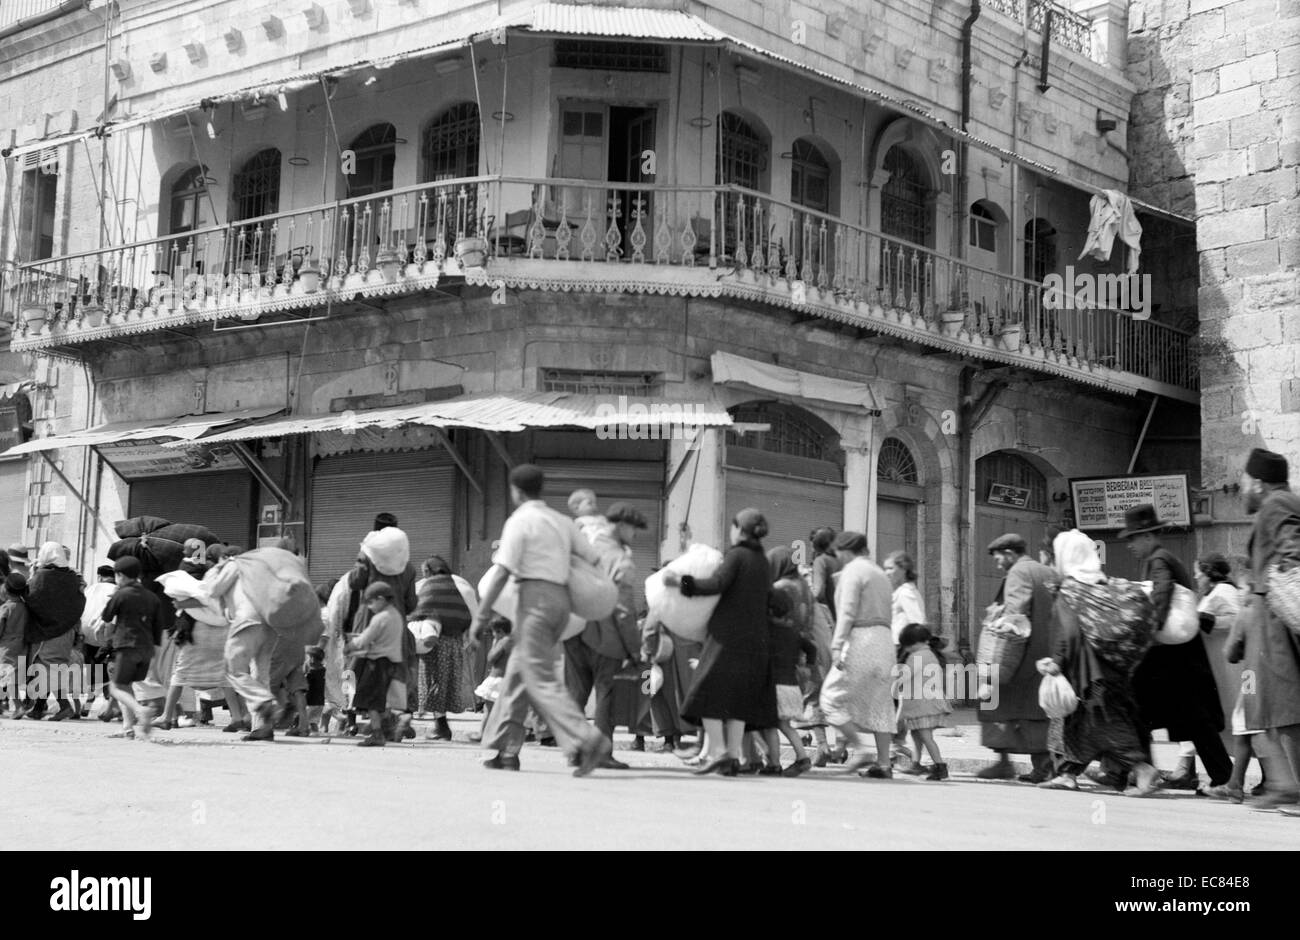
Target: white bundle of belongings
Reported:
point(191, 596)
point(688, 617)
point(1057, 697)
point(389, 550)
point(426, 633)
point(270, 586)
point(1183, 621)
point(507, 604)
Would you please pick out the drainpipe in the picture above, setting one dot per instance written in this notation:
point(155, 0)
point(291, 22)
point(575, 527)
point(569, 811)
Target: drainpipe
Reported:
point(965, 563)
point(963, 185)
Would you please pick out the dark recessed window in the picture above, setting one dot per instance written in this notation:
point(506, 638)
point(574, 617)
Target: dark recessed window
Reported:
point(983, 229)
point(610, 56)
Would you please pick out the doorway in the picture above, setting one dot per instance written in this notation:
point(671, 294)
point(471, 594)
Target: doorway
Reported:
point(631, 134)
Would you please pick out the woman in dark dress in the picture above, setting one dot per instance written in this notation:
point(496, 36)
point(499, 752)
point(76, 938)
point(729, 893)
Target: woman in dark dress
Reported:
point(732, 686)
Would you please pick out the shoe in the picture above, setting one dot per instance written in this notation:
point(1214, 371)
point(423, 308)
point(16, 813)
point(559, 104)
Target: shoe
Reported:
point(549, 742)
point(63, 714)
point(592, 756)
point(403, 731)
point(876, 772)
point(638, 743)
point(1225, 792)
point(669, 746)
point(1002, 770)
point(529, 737)
point(184, 721)
point(723, 766)
point(371, 740)
point(263, 732)
point(770, 770)
point(749, 768)
point(236, 726)
point(858, 760)
point(1269, 802)
point(164, 725)
point(1180, 782)
point(611, 763)
point(938, 772)
point(1258, 789)
point(917, 769)
point(1148, 780)
point(1059, 782)
point(296, 732)
point(502, 762)
point(441, 730)
point(1036, 777)
point(801, 766)
point(823, 757)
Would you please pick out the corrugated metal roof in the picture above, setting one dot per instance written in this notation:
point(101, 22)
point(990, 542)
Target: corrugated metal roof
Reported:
point(505, 412)
point(634, 22)
point(185, 427)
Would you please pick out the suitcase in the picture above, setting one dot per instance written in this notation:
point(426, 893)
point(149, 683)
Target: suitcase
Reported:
point(632, 700)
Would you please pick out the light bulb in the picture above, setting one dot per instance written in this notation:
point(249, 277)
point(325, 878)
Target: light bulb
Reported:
point(284, 100)
point(212, 131)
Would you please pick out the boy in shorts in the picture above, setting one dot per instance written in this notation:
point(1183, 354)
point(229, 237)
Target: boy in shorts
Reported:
point(379, 651)
point(136, 618)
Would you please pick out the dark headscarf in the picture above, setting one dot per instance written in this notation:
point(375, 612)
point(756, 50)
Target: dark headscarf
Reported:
point(780, 562)
point(751, 523)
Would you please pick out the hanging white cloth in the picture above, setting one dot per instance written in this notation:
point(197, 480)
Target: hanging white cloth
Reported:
point(1112, 215)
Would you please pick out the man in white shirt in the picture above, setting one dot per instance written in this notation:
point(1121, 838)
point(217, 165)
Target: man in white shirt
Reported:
point(536, 543)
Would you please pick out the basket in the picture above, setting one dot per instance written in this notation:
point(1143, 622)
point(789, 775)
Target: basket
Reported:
point(1002, 650)
point(1284, 595)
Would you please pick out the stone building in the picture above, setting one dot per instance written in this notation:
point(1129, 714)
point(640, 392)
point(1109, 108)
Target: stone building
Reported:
point(295, 266)
point(1216, 125)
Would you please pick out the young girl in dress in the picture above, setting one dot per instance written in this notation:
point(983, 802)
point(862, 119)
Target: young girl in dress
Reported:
point(490, 688)
point(920, 711)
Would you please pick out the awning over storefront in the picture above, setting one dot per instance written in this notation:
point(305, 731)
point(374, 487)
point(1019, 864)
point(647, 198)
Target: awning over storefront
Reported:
point(758, 376)
point(183, 427)
point(500, 412)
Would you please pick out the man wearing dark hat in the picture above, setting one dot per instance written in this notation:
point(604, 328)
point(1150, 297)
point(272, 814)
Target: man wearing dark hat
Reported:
point(1174, 684)
point(594, 657)
point(1018, 725)
point(536, 544)
point(1272, 652)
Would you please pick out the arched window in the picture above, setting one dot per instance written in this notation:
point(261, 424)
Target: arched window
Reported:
point(983, 228)
point(256, 187)
point(791, 431)
point(376, 156)
point(1008, 469)
point(904, 212)
point(191, 206)
point(896, 464)
point(810, 176)
point(450, 146)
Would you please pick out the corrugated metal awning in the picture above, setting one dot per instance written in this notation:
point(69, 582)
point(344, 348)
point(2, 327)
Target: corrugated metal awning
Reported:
point(184, 427)
point(630, 22)
point(504, 412)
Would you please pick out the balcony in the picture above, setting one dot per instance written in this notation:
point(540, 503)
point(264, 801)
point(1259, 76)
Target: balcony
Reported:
point(573, 235)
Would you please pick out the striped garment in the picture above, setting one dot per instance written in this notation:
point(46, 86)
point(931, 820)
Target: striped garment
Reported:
point(438, 598)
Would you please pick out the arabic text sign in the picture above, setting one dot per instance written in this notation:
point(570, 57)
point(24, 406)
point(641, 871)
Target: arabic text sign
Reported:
point(1101, 503)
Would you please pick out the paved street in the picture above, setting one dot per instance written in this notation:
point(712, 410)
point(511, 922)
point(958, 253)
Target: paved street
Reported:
point(203, 791)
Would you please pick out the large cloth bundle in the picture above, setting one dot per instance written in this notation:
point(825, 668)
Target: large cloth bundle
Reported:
point(162, 548)
point(593, 595)
point(687, 617)
point(55, 604)
point(270, 586)
point(507, 605)
point(140, 525)
point(192, 596)
point(1002, 643)
point(1115, 617)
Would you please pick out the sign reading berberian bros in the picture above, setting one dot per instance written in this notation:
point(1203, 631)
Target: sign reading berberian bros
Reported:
point(1100, 502)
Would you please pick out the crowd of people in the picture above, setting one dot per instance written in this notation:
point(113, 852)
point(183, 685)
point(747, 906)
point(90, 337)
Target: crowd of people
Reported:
point(809, 655)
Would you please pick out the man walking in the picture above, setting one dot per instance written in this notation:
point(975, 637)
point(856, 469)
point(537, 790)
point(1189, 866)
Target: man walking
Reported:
point(1272, 649)
point(536, 543)
point(135, 617)
point(1019, 725)
point(1174, 685)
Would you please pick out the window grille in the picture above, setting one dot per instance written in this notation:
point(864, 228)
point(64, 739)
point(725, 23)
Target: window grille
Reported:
point(256, 187)
point(896, 463)
point(451, 144)
point(610, 56)
point(1010, 470)
point(903, 200)
point(787, 433)
point(632, 384)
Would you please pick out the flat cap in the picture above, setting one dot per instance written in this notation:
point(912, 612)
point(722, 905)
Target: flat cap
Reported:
point(1009, 543)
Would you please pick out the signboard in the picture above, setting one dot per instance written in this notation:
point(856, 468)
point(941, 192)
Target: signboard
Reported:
point(1000, 494)
point(1100, 502)
point(135, 460)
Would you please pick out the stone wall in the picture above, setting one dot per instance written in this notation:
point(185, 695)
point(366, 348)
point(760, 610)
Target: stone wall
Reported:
point(1246, 160)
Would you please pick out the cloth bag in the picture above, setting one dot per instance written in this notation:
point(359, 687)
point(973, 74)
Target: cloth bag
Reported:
point(1056, 697)
point(1284, 596)
point(426, 633)
point(507, 605)
point(1183, 622)
point(593, 595)
point(688, 617)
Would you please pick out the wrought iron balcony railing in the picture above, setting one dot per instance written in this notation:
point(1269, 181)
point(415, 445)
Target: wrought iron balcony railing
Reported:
point(1069, 29)
point(575, 234)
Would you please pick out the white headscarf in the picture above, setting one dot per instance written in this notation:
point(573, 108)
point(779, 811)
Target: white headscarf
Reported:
point(389, 550)
point(52, 553)
point(1076, 557)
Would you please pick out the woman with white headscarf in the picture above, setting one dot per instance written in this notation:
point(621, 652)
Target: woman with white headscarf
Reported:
point(1097, 652)
point(55, 602)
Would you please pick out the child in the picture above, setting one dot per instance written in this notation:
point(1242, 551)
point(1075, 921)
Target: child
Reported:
point(13, 624)
point(136, 616)
point(918, 712)
point(379, 652)
point(314, 669)
point(582, 506)
point(490, 688)
point(786, 641)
